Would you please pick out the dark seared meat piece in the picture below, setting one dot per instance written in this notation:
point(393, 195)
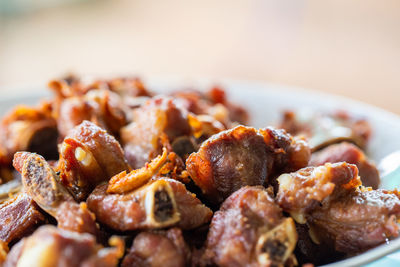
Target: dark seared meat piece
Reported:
point(153, 249)
point(323, 129)
point(28, 129)
point(89, 156)
point(249, 230)
point(244, 156)
point(300, 192)
point(159, 118)
point(42, 184)
point(102, 107)
point(160, 203)
point(351, 154)
point(19, 217)
point(50, 246)
point(357, 221)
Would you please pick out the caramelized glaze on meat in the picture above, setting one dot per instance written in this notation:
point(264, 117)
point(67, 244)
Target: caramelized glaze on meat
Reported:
point(244, 156)
point(153, 249)
point(351, 154)
point(89, 156)
point(249, 230)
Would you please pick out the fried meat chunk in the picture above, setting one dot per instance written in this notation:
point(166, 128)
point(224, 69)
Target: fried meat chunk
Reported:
point(323, 128)
point(89, 156)
point(51, 246)
point(162, 248)
point(301, 191)
point(158, 119)
point(102, 107)
point(160, 203)
point(340, 213)
point(42, 184)
point(250, 230)
point(19, 217)
point(244, 156)
point(357, 221)
point(28, 129)
point(351, 154)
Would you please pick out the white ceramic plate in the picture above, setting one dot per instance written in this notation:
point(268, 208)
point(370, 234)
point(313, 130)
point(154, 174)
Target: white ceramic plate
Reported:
point(265, 101)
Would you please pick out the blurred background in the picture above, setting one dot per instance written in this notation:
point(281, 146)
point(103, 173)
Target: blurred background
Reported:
point(346, 47)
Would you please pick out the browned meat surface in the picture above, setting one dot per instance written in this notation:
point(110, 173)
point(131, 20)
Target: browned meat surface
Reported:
point(158, 119)
point(160, 203)
point(153, 249)
point(102, 107)
point(192, 212)
point(322, 129)
point(50, 246)
point(249, 230)
point(43, 186)
point(89, 156)
point(19, 217)
point(357, 221)
point(301, 191)
point(244, 156)
point(341, 214)
point(351, 154)
point(28, 129)
point(149, 207)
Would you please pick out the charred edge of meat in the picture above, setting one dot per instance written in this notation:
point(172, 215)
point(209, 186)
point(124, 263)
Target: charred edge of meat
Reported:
point(277, 245)
point(161, 209)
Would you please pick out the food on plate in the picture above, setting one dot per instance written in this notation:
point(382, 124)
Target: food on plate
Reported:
point(351, 154)
point(109, 173)
point(323, 128)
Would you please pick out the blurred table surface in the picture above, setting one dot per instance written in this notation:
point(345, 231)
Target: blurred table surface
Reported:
point(346, 47)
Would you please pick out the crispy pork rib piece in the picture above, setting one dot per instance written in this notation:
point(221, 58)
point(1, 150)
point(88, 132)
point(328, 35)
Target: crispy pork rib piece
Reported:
point(357, 221)
point(102, 107)
point(323, 129)
point(89, 156)
point(351, 154)
point(193, 213)
point(162, 248)
point(158, 118)
point(244, 156)
point(28, 129)
point(250, 230)
point(19, 217)
point(300, 192)
point(42, 184)
point(149, 207)
point(160, 203)
point(340, 213)
point(51, 246)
